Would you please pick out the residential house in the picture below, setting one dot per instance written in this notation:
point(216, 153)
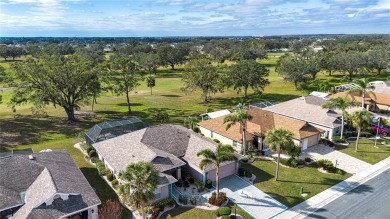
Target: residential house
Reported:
point(304, 134)
point(309, 109)
point(379, 102)
point(45, 185)
point(169, 147)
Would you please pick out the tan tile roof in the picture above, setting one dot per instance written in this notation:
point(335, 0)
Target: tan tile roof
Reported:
point(380, 98)
point(234, 132)
point(262, 122)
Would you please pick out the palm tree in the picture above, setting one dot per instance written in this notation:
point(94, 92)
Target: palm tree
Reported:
point(341, 104)
point(363, 88)
point(222, 154)
point(190, 122)
point(240, 115)
point(278, 140)
point(141, 181)
point(360, 120)
point(150, 82)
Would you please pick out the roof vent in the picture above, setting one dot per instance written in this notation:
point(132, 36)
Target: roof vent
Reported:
point(31, 157)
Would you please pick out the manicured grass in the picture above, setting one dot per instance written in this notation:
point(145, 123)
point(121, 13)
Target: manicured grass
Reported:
point(197, 213)
point(287, 189)
point(367, 152)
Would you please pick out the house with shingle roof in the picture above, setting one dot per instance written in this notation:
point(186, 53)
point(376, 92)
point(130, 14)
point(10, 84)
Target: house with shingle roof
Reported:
point(304, 134)
point(45, 185)
point(169, 147)
point(309, 109)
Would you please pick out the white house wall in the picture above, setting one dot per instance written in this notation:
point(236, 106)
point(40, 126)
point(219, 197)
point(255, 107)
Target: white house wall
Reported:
point(221, 138)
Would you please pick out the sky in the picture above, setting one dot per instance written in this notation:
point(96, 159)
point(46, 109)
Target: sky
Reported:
point(154, 18)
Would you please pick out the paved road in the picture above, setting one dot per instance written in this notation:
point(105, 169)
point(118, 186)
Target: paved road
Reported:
point(369, 200)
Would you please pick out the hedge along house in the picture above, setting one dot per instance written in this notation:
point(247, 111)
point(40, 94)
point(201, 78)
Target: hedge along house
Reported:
point(111, 129)
point(309, 109)
point(169, 147)
point(45, 185)
point(304, 134)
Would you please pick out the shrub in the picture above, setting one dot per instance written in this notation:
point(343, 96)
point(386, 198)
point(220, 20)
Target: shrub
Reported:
point(308, 159)
point(209, 184)
point(92, 153)
point(294, 151)
point(248, 173)
point(179, 183)
point(241, 171)
point(225, 217)
point(101, 168)
point(223, 211)
point(114, 182)
point(292, 162)
point(89, 148)
point(191, 179)
point(245, 160)
point(110, 177)
point(218, 202)
point(216, 140)
point(186, 184)
point(183, 199)
point(200, 185)
point(196, 129)
point(325, 164)
point(338, 139)
point(94, 159)
point(193, 200)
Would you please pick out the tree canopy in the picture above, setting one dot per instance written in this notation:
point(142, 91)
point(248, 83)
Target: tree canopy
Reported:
point(248, 74)
point(65, 81)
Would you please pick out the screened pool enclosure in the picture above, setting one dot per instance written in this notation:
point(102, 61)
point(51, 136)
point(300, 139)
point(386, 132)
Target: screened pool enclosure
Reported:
point(110, 129)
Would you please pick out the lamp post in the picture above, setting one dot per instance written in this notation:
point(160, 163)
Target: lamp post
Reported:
point(377, 129)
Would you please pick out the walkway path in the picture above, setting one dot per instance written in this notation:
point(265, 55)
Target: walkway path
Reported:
point(344, 161)
point(318, 201)
point(251, 199)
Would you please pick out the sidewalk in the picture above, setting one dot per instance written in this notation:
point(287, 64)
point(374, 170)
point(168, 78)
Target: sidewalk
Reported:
point(316, 202)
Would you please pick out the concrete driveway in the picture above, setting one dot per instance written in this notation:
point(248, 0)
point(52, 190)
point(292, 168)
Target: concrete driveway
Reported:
point(251, 199)
point(344, 161)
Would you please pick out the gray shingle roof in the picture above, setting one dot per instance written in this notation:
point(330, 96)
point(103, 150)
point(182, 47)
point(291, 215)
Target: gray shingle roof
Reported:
point(163, 145)
point(39, 179)
point(310, 112)
point(170, 138)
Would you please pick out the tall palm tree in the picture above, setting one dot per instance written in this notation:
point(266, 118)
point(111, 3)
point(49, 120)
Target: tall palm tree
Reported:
point(363, 88)
point(360, 120)
point(141, 181)
point(240, 115)
point(278, 140)
point(341, 104)
point(222, 154)
point(190, 122)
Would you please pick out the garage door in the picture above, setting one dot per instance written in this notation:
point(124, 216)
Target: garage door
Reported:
point(224, 171)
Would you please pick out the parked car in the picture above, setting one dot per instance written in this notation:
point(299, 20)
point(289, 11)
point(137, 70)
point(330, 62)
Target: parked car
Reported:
point(381, 129)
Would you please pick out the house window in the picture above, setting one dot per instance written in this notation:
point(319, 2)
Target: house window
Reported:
point(234, 144)
point(157, 193)
point(212, 135)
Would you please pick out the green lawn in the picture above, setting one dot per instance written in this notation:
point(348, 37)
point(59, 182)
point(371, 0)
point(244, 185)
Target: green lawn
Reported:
point(197, 213)
point(287, 189)
point(367, 152)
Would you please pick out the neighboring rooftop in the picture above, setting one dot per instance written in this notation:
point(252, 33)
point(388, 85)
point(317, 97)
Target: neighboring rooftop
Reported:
point(31, 181)
point(308, 109)
point(379, 98)
point(110, 129)
point(381, 87)
point(162, 145)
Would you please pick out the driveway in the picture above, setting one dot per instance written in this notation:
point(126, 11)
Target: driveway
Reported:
point(344, 161)
point(251, 199)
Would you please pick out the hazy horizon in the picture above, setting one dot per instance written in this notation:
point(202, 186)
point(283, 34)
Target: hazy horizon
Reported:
point(179, 18)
